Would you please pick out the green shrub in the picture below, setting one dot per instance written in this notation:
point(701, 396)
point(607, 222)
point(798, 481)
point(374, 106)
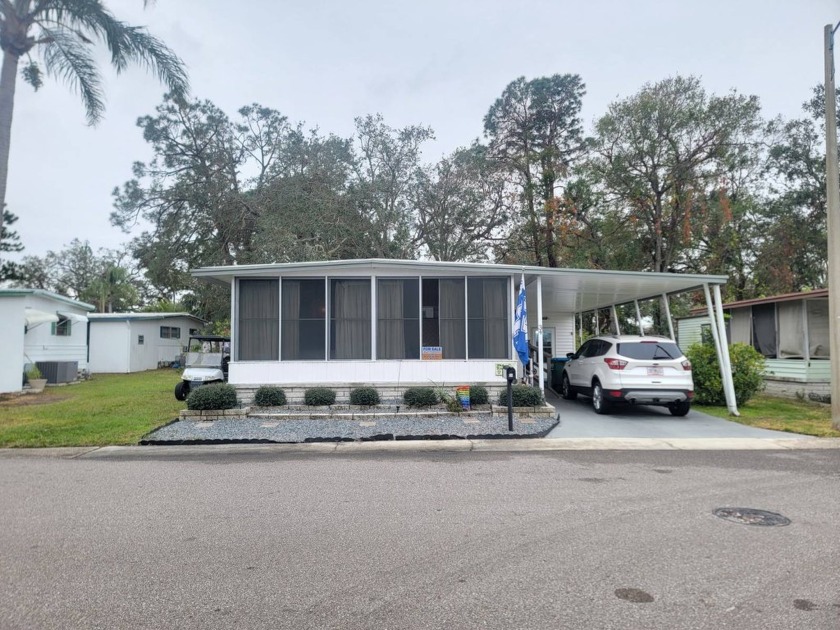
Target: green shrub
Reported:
point(420, 397)
point(364, 396)
point(747, 369)
point(270, 396)
point(450, 400)
point(479, 395)
point(216, 396)
point(33, 373)
point(523, 396)
point(319, 396)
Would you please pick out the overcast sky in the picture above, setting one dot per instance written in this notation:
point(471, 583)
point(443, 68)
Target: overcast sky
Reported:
point(440, 63)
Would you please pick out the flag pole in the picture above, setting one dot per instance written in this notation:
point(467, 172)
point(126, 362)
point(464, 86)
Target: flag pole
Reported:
point(520, 325)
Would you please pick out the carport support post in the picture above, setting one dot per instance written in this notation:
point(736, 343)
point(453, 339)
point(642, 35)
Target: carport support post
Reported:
point(615, 319)
point(540, 333)
point(832, 194)
point(725, 373)
point(724, 349)
point(668, 315)
point(639, 318)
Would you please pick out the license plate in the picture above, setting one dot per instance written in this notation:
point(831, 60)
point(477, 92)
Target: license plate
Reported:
point(656, 371)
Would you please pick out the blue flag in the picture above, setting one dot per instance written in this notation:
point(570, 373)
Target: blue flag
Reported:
point(520, 325)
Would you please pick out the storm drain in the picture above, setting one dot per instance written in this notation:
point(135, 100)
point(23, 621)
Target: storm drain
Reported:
point(749, 516)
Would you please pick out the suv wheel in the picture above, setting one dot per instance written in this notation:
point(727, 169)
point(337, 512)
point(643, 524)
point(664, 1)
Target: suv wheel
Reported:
point(566, 390)
point(680, 408)
point(599, 403)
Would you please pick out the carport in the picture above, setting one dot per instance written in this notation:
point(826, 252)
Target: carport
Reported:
point(580, 291)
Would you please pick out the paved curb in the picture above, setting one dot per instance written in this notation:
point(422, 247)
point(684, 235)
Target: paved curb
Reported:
point(425, 446)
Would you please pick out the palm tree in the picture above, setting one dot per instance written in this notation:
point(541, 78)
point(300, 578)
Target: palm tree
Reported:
point(64, 32)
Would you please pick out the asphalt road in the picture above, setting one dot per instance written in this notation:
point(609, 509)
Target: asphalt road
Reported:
point(260, 539)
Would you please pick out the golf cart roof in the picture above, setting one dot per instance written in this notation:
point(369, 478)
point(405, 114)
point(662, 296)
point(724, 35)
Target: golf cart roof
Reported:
point(209, 337)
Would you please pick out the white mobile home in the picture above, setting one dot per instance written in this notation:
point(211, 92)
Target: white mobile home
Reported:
point(790, 330)
point(132, 342)
point(396, 323)
point(43, 328)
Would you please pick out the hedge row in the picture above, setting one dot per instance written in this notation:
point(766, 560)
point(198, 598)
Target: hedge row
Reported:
point(223, 396)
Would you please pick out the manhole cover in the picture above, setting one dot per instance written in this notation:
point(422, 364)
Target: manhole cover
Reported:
point(749, 516)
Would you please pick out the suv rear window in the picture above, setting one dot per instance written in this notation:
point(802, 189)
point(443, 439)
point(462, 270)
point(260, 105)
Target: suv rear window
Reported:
point(649, 351)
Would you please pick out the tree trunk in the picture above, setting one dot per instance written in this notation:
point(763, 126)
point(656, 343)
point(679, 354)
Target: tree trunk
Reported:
point(8, 76)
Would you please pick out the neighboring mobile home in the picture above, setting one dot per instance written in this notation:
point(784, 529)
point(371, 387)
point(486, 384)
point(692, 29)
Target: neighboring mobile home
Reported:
point(43, 328)
point(790, 330)
point(397, 323)
point(132, 342)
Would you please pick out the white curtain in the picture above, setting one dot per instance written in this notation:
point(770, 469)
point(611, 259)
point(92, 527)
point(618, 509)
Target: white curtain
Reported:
point(453, 339)
point(739, 326)
point(791, 330)
point(351, 318)
point(818, 328)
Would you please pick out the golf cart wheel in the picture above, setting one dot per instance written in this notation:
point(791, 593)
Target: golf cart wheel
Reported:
point(680, 408)
point(566, 390)
point(182, 390)
point(599, 402)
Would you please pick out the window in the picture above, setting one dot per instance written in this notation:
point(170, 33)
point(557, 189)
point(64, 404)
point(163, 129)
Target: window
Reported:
point(488, 306)
point(140, 340)
point(193, 331)
point(818, 328)
point(649, 351)
point(350, 319)
point(62, 328)
point(583, 350)
point(304, 320)
point(259, 325)
point(443, 316)
point(398, 319)
point(170, 332)
point(790, 317)
point(764, 329)
point(548, 340)
point(593, 348)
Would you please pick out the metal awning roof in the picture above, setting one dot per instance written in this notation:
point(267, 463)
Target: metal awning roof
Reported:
point(33, 317)
point(564, 290)
point(76, 318)
point(121, 317)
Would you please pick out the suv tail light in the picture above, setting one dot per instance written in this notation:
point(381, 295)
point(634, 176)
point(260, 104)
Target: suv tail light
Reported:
point(686, 365)
point(615, 364)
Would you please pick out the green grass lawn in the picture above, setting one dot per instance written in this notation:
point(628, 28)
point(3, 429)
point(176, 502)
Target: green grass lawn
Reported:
point(781, 414)
point(108, 409)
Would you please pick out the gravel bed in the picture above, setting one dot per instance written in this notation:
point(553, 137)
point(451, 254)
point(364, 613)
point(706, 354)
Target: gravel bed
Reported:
point(381, 428)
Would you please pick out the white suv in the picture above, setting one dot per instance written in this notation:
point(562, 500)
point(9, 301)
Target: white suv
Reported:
point(630, 369)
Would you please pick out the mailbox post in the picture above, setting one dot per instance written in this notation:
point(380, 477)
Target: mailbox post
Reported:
point(510, 375)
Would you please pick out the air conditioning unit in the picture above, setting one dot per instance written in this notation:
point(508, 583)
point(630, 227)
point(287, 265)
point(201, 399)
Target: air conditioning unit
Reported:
point(59, 371)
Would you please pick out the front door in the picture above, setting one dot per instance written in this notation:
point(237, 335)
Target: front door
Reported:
point(548, 340)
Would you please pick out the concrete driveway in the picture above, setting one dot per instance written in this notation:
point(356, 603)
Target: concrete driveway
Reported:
point(579, 420)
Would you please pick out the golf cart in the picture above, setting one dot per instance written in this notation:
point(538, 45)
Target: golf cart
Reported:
point(206, 361)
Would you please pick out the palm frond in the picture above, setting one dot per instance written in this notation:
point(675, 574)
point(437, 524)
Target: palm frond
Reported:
point(67, 58)
point(127, 44)
point(135, 44)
